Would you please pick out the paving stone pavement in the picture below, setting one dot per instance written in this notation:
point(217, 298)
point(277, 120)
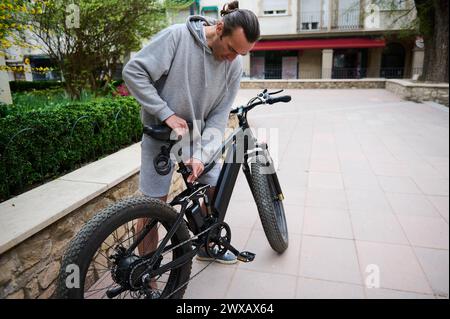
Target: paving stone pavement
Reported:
point(366, 180)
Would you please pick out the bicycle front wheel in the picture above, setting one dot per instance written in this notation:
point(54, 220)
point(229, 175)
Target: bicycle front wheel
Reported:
point(270, 206)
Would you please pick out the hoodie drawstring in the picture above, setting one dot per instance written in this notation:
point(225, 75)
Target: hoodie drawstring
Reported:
point(204, 67)
point(226, 73)
point(205, 74)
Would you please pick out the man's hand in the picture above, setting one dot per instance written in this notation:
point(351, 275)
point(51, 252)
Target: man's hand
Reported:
point(177, 124)
point(197, 168)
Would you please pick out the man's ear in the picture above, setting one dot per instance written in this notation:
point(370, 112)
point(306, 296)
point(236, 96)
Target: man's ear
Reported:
point(219, 28)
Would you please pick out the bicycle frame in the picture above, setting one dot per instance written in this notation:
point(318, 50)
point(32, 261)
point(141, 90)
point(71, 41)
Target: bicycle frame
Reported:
point(236, 156)
point(240, 147)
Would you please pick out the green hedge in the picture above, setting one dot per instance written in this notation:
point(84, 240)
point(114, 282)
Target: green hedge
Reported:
point(21, 86)
point(40, 145)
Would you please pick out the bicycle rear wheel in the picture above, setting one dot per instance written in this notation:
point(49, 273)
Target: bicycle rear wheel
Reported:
point(98, 255)
point(270, 206)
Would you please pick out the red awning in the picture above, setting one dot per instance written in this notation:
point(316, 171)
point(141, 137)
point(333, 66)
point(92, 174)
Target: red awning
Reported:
point(305, 44)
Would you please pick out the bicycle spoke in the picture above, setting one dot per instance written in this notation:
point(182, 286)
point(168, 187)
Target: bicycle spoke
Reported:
point(105, 267)
point(100, 289)
point(136, 235)
point(190, 278)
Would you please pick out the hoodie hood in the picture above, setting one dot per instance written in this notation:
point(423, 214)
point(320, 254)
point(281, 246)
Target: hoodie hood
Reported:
point(196, 26)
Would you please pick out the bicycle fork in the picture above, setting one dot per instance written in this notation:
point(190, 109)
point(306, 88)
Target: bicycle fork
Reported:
point(262, 149)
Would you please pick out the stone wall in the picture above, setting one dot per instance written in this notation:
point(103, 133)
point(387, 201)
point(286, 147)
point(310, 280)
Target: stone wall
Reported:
point(30, 269)
point(314, 84)
point(407, 89)
point(419, 91)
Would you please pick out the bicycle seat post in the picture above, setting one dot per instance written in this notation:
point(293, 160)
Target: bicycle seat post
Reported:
point(185, 172)
point(182, 168)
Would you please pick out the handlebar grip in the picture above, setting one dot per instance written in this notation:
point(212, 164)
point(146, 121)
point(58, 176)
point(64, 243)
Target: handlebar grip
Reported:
point(285, 99)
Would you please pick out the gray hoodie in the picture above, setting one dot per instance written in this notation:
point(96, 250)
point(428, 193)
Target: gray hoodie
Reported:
point(177, 74)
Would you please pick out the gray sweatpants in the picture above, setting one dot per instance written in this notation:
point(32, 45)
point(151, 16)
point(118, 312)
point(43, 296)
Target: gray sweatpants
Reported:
point(154, 185)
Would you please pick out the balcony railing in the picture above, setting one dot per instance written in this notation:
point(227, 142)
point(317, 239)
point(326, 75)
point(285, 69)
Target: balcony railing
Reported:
point(352, 19)
point(346, 20)
point(340, 20)
point(392, 73)
point(348, 73)
point(276, 72)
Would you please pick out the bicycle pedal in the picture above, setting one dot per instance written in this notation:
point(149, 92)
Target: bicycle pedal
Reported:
point(246, 256)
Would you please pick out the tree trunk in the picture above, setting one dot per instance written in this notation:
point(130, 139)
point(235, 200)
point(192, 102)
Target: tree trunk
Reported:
point(433, 15)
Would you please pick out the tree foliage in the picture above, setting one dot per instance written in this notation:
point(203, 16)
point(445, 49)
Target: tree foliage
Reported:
point(14, 16)
point(14, 27)
point(88, 38)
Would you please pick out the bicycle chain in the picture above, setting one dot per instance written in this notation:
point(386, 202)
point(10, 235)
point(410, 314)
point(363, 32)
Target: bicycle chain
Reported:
point(143, 263)
point(190, 278)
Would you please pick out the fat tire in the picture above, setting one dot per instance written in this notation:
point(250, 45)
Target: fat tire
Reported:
point(263, 195)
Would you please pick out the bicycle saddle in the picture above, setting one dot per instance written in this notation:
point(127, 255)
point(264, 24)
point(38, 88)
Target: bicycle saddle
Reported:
point(161, 132)
point(158, 132)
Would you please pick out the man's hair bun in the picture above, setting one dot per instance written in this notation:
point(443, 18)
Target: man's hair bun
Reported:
point(229, 8)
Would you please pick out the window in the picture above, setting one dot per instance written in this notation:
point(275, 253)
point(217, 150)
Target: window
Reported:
point(349, 15)
point(18, 76)
point(310, 5)
point(37, 61)
point(275, 7)
point(274, 64)
point(349, 5)
point(211, 11)
point(312, 15)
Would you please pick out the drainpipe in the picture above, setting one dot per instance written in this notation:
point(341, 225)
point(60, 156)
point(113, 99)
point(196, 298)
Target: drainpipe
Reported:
point(330, 14)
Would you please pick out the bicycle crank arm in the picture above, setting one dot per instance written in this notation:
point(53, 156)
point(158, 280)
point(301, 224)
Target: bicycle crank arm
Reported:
point(244, 256)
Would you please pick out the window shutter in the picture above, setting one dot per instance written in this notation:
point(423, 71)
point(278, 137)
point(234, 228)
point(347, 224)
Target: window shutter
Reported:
point(274, 5)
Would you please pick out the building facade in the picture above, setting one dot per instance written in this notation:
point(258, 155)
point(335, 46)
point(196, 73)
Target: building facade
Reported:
point(31, 60)
point(330, 39)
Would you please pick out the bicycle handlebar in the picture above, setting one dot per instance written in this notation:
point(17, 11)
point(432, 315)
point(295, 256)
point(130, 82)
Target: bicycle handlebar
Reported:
point(285, 99)
point(263, 98)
